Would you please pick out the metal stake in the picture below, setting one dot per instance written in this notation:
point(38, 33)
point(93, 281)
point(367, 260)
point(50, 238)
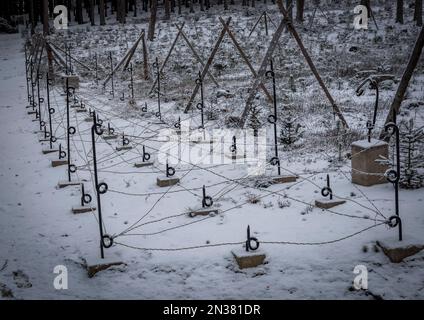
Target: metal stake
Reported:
point(273, 118)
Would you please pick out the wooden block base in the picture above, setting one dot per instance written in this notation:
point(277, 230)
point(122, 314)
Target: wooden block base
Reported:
point(396, 250)
point(284, 179)
point(57, 163)
point(143, 164)
point(47, 151)
point(166, 182)
point(88, 119)
point(66, 183)
point(248, 259)
point(98, 265)
point(203, 212)
point(31, 112)
point(120, 148)
point(80, 110)
point(44, 140)
point(327, 203)
point(80, 209)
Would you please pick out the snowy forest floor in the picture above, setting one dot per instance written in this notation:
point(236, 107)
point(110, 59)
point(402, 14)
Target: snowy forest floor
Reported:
point(39, 231)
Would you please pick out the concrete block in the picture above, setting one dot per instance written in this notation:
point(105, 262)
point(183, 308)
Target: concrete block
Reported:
point(235, 156)
point(249, 259)
point(110, 136)
point(121, 148)
point(397, 250)
point(203, 212)
point(57, 163)
point(47, 151)
point(366, 171)
point(66, 183)
point(80, 110)
point(73, 81)
point(96, 265)
point(81, 209)
point(284, 179)
point(167, 181)
point(327, 203)
point(143, 164)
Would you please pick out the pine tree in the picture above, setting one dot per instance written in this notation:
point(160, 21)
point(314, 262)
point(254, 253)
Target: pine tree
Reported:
point(254, 122)
point(411, 158)
point(290, 133)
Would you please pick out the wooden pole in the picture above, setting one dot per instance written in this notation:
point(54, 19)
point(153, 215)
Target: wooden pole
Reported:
point(406, 77)
point(246, 59)
point(310, 63)
point(261, 73)
point(208, 63)
point(167, 58)
point(195, 54)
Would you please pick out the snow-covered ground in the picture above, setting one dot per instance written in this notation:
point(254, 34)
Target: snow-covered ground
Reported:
point(39, 231)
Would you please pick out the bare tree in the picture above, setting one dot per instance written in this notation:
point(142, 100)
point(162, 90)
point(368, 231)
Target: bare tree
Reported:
point(92, 13)
point(102, 12)
point(45, 17)
point(399, 11)
point(300, 5)
point(167, 9)
point(152, 23)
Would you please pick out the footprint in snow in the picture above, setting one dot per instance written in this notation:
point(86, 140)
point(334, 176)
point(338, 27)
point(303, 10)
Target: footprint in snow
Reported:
point(21, 279)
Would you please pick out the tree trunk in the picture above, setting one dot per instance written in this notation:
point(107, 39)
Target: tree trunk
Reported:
point(78, 8)
point(92, 13)
point(300, 4)
point(367, 4)
point(152, 23)
point(167, 9)
point(102, 12)
point(399, 11)
point(145, 58)
point(418, 12)
point(32, 16)
point(45, 17)
point(406, 77)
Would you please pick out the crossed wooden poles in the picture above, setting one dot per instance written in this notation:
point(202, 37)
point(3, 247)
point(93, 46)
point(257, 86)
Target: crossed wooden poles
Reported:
point(260, 74)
